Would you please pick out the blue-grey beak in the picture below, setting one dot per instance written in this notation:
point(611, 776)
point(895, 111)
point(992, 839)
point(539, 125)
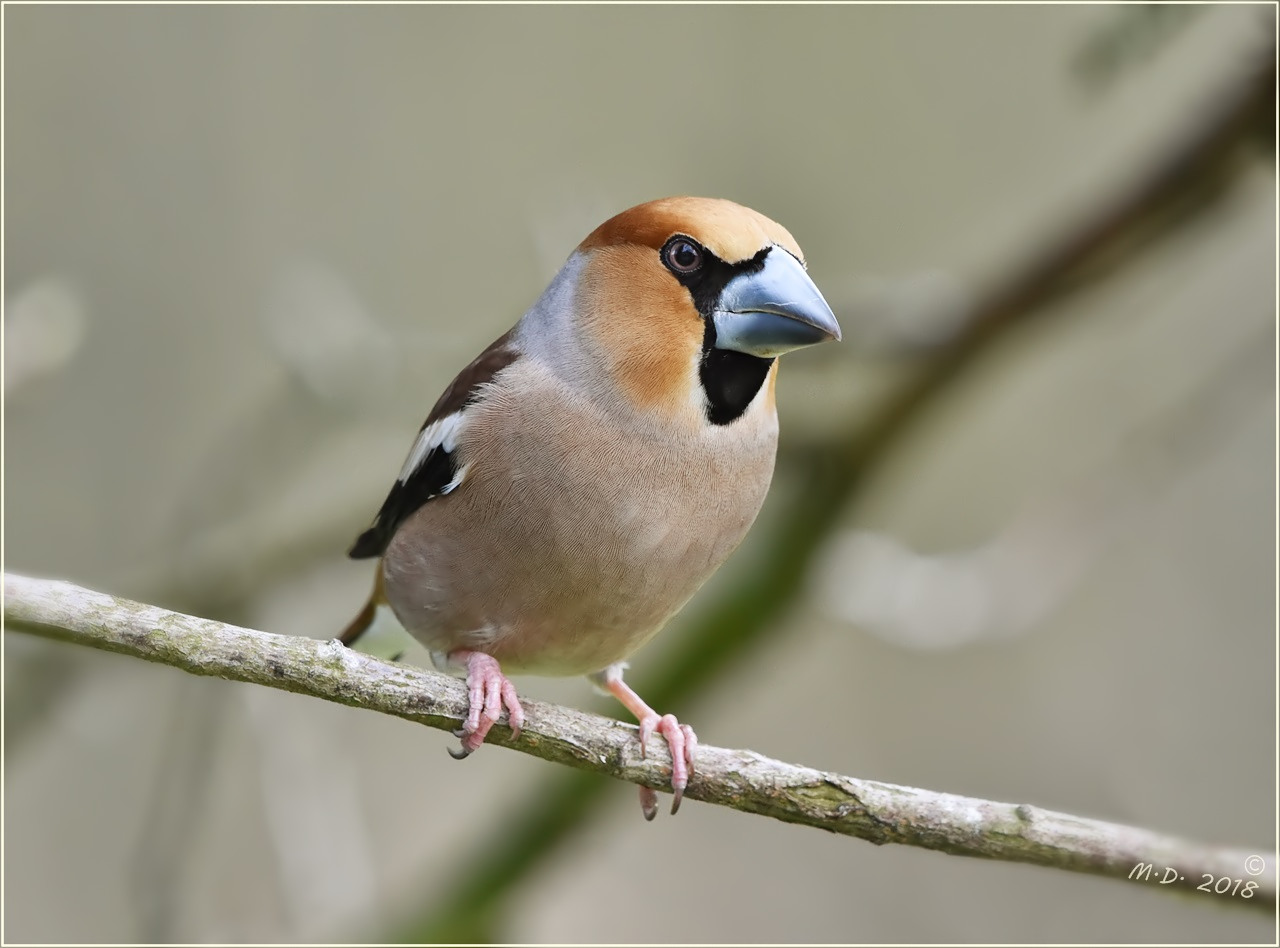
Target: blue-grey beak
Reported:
point(773, 310)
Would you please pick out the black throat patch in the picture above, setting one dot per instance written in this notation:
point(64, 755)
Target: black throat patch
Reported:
point(730, 379)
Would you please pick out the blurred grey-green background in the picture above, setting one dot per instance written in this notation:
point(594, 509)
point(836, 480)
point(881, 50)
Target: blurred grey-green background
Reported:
point(245, 249)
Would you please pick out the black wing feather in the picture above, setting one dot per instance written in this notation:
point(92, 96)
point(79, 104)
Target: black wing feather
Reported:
point(426, 482)
point(439, 467)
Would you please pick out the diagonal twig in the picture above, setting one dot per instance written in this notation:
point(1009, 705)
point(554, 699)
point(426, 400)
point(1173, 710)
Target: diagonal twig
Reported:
point(746, 781)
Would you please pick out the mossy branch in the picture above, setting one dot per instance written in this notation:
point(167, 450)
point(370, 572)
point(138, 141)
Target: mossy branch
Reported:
point(876, 812)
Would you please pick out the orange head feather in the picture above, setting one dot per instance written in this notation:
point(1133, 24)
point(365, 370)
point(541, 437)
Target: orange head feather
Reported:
point(641, 321)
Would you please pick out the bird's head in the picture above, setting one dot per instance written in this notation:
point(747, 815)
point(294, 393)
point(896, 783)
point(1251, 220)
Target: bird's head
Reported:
point(686, 303)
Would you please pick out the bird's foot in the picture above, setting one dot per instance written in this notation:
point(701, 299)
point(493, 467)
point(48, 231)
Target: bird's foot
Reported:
point(681, 740)
point(682, 743)
point(488, 690)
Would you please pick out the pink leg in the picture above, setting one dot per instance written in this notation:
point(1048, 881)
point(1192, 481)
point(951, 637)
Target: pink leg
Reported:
point(681, 740)
point(487, 691)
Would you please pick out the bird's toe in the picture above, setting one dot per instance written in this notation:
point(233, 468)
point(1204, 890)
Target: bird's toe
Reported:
point(488, 692)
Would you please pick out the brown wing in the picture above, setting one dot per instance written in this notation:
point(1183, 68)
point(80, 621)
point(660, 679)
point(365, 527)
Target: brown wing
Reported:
point(435, 468)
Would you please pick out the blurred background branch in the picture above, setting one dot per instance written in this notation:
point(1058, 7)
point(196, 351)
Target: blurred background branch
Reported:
point(876, 812)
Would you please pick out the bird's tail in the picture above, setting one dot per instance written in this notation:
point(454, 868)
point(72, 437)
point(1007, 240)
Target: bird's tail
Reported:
point(375, 627)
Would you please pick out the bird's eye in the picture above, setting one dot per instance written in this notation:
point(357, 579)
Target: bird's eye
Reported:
point(682, 255)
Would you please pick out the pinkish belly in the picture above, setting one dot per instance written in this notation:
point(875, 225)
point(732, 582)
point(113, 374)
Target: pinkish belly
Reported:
point(563, 595)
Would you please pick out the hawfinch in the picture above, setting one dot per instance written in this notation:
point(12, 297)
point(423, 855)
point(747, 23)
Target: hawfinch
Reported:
point(576, 483)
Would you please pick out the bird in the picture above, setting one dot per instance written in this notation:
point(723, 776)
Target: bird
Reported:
point(576, 484)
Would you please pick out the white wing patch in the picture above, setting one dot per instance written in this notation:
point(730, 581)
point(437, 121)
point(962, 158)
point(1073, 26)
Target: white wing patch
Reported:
point(441, 433)
point(457, 479)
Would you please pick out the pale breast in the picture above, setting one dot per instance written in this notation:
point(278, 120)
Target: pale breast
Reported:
point(572, 539)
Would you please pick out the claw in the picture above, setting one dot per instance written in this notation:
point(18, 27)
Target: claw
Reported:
point(681, 740)
point(649, 803)
point(682, 743)
point(488, 691)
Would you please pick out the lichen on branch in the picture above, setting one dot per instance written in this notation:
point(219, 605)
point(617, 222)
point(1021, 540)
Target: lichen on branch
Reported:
point(740, 779)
